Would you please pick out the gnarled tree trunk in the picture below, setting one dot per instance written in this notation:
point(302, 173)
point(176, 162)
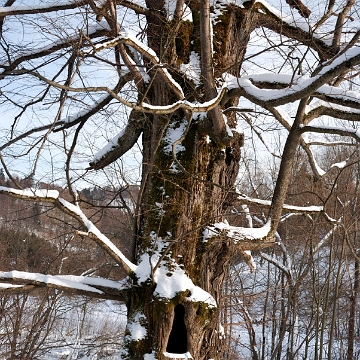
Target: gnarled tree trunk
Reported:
point(194, 182)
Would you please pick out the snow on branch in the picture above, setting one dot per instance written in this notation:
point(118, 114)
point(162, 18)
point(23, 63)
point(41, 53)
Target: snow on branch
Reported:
point(245, 238)
point(120, 144)
point(129, 39)
point(344, 131)
point(40, 9)
point(84, 285)
point(15, 289)
point(59, 6)
point(334, 110)
point(299, 87)
point(267, 203)
point(143, 107)
point(52, 196)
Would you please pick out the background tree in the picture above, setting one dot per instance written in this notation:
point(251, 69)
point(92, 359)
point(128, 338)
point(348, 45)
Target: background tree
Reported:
point(182, 76)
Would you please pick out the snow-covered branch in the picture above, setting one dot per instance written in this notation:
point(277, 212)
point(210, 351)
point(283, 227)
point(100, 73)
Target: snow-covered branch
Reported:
point(121, 143)
point(40, 9)
point(244, 238)
point(143, 107)
point(60, 6)
point(351, 132)
point(84, 285)
point(129, 39)
point(52, 196)
point(331, 109)
point(259, 88)
point(292, 208)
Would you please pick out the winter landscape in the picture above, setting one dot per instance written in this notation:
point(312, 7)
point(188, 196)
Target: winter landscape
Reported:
point(179, 179)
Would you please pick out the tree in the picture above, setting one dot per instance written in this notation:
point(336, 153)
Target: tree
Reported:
point(184, 76)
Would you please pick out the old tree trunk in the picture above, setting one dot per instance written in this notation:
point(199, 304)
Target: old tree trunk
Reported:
point(183, 190)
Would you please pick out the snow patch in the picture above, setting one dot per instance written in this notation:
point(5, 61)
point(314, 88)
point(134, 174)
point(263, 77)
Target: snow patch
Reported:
point(178, 356)
point(192, 69)
point(174, 133)
point(112, 144)
point(235, 232)
point(31, 192)
point(169, 277)
point(186, 15)
point(137, 330)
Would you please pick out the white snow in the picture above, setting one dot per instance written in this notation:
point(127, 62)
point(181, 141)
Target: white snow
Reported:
point(192, 69)
point(137, 330)
point(170, 6)
point(187, 355)
point(169, 277)
point(150, 356)
point(340, 165)
point(112, 144)
point(48, 279)
point(173, 134)
point(31, 192)
point(297, 83)
point(348, 54)
point(311, 208)
point(320, 103)
point(235, 232)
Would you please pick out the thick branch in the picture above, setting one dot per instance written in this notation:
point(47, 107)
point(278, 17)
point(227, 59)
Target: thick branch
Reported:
point(207, 72)
point(248, 239)
point(339, 112)
point(302, 88)
point(354, 133)
point(286, 165)
point(121, 144)
point(82, 285)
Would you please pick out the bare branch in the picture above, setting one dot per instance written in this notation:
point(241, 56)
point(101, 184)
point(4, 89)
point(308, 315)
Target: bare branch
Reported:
point(144, 107)
point(38, 53)
point(354, 133)
point(85, 115)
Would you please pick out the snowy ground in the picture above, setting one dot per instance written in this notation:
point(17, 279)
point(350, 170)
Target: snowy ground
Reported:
point(98, 335)
point(82, 330)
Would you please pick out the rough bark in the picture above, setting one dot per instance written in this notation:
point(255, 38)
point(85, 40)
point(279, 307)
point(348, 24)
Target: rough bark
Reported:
point(193, 191)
